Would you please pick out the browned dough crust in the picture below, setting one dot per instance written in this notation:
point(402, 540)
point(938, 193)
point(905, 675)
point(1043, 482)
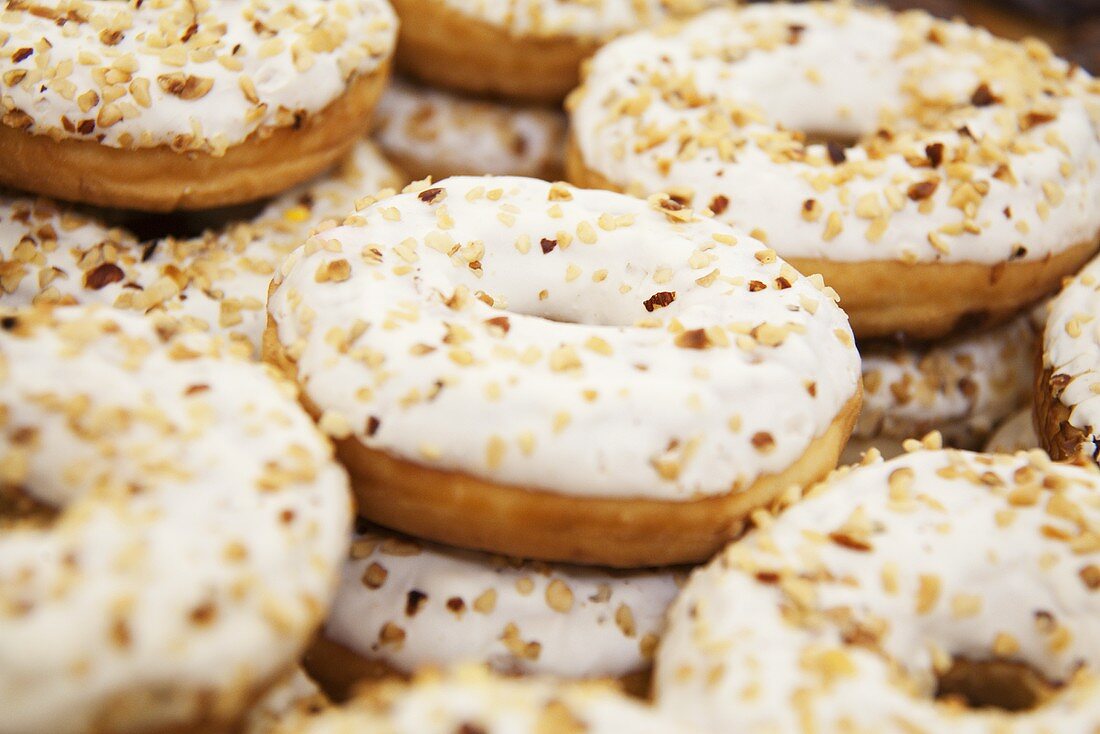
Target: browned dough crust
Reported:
point(160, 179)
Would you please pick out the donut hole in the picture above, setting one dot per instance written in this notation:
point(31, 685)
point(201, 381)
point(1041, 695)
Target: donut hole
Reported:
point(993, 684)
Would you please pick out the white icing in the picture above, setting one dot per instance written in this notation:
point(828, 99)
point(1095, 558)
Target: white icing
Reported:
point(412, 605)
point(1071, 350)
point(217, 283)
point(705, 110)
point(201, 525)
point(389, 321)
point(837, 616)
point(961, 387)
point(196, 75)
point(468, 700)
point(582, 19)
point(1016, 433)
point(463, 135)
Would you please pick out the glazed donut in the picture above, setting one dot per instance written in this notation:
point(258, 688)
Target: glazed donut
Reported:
point(962, 387)
point(430, 132)
point(216, 283)
point(184, 104)
point(406, 605)
point(1067, 407)
point(970, 188)
point(471, 701)
point(559, 374)
point(1016, 433)
point(529, 51)
point(971, 574)
point(173, 525)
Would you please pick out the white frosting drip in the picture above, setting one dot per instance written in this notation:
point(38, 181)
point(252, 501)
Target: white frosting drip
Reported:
point(201, 524)
point(582, 19)
point(838, 616)
point(192, 75)
point(704, 111)
point(1071, 350)
point(390, 322)
point(961, 387)
point(413, 605)
point(468, 700)
point(462, 135)
point(217, 283)
point(1016, 433)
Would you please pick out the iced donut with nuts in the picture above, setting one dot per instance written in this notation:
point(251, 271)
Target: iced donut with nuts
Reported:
point(183, 104)
point(529, 51)
point(173, 525)
point(559, 374)
point(405, 605)
point(1067, 405)
point(956, 185)
point(938, 591)
point(469, 700)
point(431, 132)
point(962, 387)
point(1016, 433)
point(216, 283)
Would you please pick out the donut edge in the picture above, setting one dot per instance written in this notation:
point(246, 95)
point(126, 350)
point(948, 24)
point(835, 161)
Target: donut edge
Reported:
point(972, 295)
point(537, 524)
point(159, 179)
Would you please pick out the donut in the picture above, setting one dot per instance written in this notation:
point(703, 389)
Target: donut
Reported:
point(941, 591)
point(939, 178)
point(172, 525)
point(216, 283)
point(407, 604)
point(469, 700)
point(1016, 433)
point(1067, 411)
point(431, 132)
point(528, 52)
point(184, 104)
point(962, 387)
point(566, 375)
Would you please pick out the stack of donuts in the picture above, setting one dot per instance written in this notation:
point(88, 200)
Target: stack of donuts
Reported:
point(326, 405)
